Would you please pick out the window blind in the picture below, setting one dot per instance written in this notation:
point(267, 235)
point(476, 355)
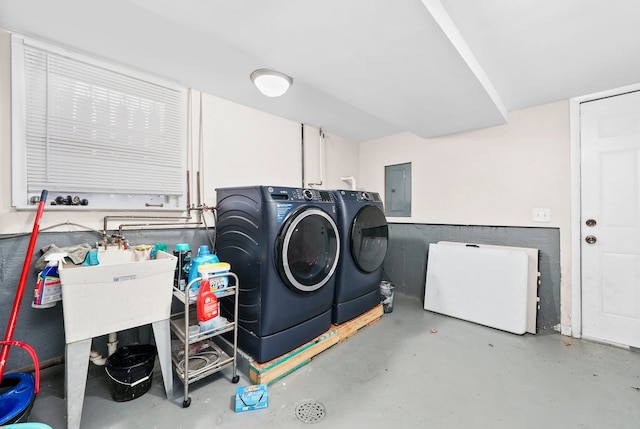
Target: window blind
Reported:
point(93, 129)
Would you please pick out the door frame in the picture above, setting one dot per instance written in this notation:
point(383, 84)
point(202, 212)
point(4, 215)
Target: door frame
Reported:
point(576, 203)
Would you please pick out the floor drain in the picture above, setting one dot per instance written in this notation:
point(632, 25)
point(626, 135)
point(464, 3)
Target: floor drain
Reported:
point(310, 411)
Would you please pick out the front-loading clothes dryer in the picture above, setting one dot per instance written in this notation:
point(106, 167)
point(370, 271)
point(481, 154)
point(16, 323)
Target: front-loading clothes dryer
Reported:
point(363, 228)
point(284, 246)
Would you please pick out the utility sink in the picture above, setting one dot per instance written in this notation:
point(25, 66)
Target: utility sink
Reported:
point(117, 294)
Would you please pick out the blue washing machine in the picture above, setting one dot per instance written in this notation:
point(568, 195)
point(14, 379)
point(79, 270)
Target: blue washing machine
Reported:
point(284, 246)
point(365, 234)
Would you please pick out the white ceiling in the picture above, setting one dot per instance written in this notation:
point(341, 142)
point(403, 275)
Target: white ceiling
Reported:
point(362, 69)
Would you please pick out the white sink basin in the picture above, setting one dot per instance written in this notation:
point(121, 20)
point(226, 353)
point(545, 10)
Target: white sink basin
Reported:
point(117, 294)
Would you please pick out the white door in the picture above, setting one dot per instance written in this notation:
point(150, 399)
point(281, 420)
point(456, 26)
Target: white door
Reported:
point(610, 219)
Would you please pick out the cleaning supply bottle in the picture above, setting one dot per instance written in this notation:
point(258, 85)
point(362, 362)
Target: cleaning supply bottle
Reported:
point(158, 247)
point(183, 265)
point(207, 306)
point(48, 290)
point(204, 257)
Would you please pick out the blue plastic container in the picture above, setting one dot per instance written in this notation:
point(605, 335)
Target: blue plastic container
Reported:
point(16, 399)
point(204, 257)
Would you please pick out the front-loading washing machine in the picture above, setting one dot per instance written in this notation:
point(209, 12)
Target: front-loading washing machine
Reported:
point(363, 228)
point(284, 246)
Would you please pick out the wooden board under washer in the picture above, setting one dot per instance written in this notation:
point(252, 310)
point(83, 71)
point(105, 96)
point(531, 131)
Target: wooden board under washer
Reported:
point(275, 369)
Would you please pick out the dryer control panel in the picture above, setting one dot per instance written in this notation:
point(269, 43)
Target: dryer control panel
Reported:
point(359, 196)
point(299, 194)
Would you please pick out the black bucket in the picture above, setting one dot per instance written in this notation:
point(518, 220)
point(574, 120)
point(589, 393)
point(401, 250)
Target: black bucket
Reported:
point(130, 369)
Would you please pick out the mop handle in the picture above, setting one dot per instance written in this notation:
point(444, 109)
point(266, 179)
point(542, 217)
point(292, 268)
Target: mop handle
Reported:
point(11, 326)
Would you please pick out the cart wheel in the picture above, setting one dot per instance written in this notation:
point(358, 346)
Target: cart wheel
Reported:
point(235, 379)
point(186, 402)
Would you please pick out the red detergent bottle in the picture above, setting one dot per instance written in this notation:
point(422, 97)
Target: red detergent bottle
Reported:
point(207, 304)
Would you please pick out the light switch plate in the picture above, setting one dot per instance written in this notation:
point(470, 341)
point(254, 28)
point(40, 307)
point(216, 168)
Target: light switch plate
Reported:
point(541, 215)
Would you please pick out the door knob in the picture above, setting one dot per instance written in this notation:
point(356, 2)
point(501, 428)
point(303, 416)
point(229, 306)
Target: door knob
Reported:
point(591, 222)
point(590, 239)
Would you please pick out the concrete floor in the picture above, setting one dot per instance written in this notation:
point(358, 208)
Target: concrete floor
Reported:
point(411, 369)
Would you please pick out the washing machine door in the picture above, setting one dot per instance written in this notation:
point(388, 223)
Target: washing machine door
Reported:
point(369, 238)
point(307, 251)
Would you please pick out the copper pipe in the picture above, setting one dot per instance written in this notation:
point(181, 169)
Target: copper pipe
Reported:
point(107, 218)
point(44, 364)
point(302, 150)
point(120, 228)
point(188, 193)
point(199, 197)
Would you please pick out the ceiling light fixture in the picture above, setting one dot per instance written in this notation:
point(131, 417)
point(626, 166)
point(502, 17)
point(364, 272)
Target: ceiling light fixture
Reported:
point(270, 82)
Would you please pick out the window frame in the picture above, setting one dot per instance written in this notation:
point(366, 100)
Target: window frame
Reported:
point(22, 198)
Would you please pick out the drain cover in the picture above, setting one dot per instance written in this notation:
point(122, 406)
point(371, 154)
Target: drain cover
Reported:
point(310, 411)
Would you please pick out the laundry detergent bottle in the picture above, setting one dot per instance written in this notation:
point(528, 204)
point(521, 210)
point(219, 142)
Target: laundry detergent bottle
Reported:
point(207, 306)
point(204, 257)
point(183, 253)
point(48, 290)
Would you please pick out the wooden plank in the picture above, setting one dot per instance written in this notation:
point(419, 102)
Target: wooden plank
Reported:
point(351, 327)
point(277, 368)
point(268, 372)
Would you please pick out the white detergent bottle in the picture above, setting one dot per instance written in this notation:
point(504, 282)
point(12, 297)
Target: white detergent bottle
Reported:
point(48, 290)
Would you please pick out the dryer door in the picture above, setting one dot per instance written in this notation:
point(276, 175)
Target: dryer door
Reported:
point(307, 251)
point(369, 238)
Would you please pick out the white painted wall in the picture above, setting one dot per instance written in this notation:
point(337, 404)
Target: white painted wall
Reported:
point(340, 159)
point(493, 176)
point(5, 122)
point(244, 146)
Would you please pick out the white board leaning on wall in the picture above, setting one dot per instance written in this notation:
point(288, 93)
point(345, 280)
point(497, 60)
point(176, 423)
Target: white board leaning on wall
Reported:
point(495, 286)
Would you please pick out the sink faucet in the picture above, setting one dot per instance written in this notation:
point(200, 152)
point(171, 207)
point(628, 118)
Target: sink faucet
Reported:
point(114, 240)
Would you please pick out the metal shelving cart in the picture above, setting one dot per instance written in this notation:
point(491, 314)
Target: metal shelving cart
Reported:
point(201, 357)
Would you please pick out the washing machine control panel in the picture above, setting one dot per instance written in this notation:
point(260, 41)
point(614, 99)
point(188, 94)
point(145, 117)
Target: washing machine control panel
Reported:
point(297, 194)
point(307, 194)
point(313, 195)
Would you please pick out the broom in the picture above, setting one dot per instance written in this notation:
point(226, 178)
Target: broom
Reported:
point(23, 280)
